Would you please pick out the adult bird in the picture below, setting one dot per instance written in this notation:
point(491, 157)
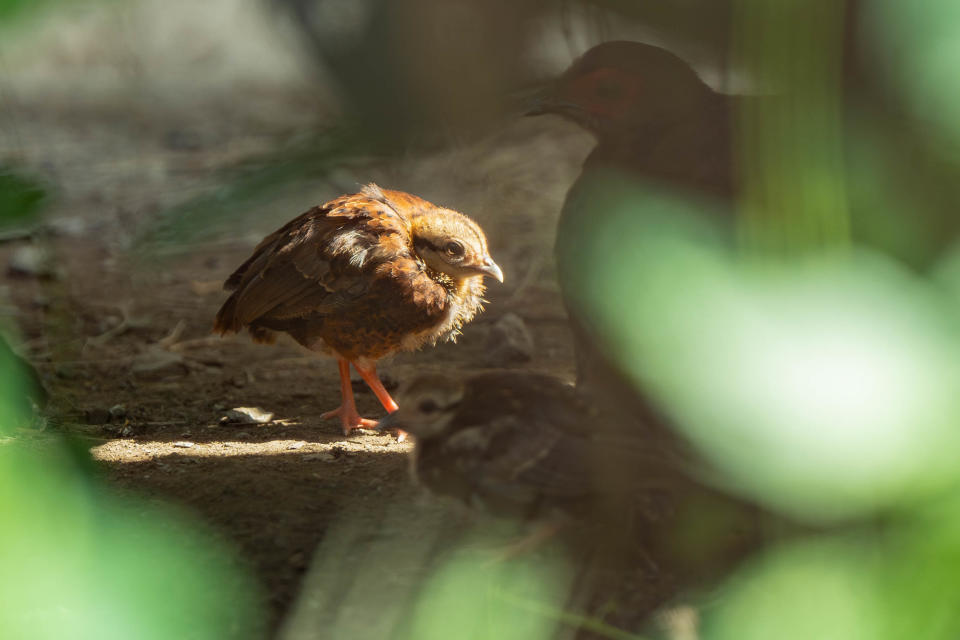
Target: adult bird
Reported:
point(360, 278)
point(658, 126)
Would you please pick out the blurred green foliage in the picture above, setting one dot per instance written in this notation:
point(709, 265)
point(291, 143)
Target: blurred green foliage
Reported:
point(80, 562)
point(20, 198)
point(825, 387)
point(474, 598)
point(9, 8)
point(919, 47)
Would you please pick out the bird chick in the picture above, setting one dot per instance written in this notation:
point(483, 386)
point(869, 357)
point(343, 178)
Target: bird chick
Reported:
point(520, 445)
point(529, 447)
point(360, 278)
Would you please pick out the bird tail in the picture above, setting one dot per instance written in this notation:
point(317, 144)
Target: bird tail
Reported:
point(227, 320)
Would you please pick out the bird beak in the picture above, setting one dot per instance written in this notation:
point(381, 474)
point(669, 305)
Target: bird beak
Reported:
point(550, 104)
point(549, 100)
point(541, 104)
point(490, 268)
point(389, 421)
point(541, 101)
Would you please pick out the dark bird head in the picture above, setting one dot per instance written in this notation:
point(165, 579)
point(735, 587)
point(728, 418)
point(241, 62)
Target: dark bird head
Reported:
point(623, 87)
point(451, 243)
point(428, 406)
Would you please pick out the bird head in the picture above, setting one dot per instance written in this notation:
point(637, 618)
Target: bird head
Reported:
point(622, 87)
point(451, 243)
point(428, 406)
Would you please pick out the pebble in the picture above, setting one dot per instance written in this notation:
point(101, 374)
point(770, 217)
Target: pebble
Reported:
point(183, 444)
point(30, 261)
point(296, 445)
point(246, 415)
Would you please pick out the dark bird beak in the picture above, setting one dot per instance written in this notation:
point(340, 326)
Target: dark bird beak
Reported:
point(387, 422)
point(540, 101)
point(552, 105)
point(540, 104)
point(490, 268)
point(548, 100)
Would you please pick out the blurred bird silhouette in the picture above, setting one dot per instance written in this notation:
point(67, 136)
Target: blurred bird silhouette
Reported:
point(657, 124)
point(527, 446)
point(360, 278)
point(519, 444)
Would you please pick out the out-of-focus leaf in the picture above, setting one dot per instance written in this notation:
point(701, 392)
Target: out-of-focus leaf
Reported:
point(9, 8)
point(20, 198)
point(826, 387)
point(78, 562)
point(473, 598)
point(816, 590)
point(919, 49)
point(902, 584)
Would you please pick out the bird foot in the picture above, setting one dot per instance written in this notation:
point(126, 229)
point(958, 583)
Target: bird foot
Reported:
point(528, 543)
point(350, 419)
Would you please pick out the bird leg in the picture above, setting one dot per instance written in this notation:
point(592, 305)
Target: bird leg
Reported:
point(347, 410)
point(369, 376)
point(530, 542)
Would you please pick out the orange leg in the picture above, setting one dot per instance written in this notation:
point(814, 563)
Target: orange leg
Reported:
point(373, 381)
point(347, 410)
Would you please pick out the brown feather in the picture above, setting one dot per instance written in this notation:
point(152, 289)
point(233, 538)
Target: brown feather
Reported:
point(345, 277)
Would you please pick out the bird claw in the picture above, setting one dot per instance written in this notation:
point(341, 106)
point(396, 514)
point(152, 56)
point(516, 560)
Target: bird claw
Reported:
point(350, 420)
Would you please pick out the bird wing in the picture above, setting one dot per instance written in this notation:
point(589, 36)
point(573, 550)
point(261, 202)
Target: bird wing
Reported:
point(318, 261)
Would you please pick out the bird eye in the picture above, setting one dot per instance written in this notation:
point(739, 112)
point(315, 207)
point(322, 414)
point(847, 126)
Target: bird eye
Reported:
point(427, 406)
point(608, 89)
point(454, 248)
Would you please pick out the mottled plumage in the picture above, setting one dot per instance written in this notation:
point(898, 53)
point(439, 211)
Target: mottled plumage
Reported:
point(529, 447)
point(360, 278)
point(523, 445)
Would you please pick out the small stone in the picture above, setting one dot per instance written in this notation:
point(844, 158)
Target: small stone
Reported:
point(183, 444)
point(30, 261)
point(246, 415)
point(509, 342)
point(118, 412)
point(296, 445)
point(97, 415)
point(72, 227)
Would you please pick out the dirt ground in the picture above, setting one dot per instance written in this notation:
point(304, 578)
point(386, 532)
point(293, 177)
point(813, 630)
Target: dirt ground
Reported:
point(122, 337)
